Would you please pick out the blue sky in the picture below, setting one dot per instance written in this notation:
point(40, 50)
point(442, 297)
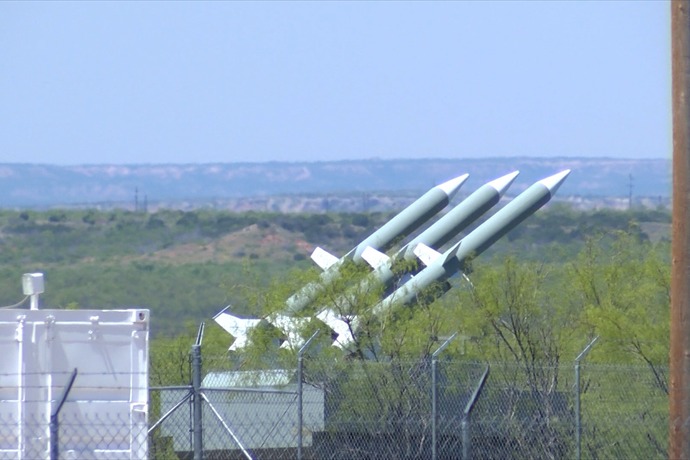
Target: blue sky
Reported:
point(177, 82)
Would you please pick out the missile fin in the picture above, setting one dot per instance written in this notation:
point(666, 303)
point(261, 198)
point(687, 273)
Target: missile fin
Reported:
point(374, 258)
point(426, 254)
point(236, 326)
point(290, 327)
point(233, 324)
point(323, 258)
point(239, 343)
point(340, 326)
point(451, 253)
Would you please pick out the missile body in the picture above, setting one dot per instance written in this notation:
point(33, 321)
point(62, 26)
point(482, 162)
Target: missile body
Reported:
point(440, 267)
point(385, 271)
point(411, 218)
point(388, 270)
point(438, 234)
point(456, 220)
point(453, 260)
point(399, 226)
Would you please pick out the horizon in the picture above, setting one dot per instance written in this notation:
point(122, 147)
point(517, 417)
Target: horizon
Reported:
point(45, 185)
point(346, 160)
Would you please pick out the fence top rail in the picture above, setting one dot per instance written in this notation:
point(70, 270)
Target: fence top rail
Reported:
point(171, 387)
point(250, 390)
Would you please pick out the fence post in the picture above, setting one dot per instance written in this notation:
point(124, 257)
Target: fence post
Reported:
point(465, 423)
point(578, 425)
point(196, 395)
point(54, 422)
point(300, 359)
point(434, 414)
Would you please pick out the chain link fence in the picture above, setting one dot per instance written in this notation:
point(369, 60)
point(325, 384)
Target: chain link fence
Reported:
point(358, 409)
point(624, 412)
point(59, 415)
point(432, 408)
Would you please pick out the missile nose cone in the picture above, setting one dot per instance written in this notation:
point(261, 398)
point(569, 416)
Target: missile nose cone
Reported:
point(452, 186)
point(502, 183)
point(555, 181)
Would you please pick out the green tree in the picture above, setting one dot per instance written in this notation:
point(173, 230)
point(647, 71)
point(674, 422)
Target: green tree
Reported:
point(514, 313)
point(623, 290)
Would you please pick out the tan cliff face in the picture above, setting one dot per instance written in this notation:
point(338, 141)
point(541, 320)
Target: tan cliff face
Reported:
point(253, 241)
point(363, 185)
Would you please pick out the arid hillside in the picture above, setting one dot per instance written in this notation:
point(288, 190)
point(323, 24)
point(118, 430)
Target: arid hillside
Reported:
point(366, 185)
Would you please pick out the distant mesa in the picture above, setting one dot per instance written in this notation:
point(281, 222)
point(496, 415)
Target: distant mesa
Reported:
point(347, 186)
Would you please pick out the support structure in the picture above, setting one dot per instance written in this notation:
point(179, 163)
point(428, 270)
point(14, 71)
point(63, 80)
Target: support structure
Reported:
point(467, 416)
point(54, 421)
point(434, 391)
point(578, 414)
point(679, 388)
point(300, 378)
point(196, 395)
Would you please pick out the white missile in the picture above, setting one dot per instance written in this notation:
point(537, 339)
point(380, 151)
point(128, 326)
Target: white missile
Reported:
point(407, 221)
point(443, 266)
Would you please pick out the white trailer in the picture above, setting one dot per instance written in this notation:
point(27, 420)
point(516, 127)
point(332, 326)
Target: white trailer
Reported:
point(104, 415)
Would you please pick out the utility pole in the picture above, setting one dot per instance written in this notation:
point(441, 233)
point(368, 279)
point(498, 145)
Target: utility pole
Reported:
point(679, 388)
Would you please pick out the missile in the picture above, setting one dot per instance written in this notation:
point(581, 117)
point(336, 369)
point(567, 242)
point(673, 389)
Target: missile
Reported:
point(404, 223)
point(469, 210)
point(438, 234)
point(445, 265)
point(442, 266)
point(399, 226)
point(386, 271)
point(412, 217)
